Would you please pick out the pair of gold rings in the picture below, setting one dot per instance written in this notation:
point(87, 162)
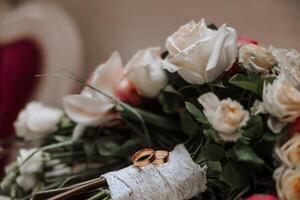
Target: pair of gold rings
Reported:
point(148, 156)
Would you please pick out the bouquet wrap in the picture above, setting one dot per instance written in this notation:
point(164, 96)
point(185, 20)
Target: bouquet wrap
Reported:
point(178, 179)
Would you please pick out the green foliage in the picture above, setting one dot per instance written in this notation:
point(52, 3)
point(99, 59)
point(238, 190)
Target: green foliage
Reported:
point(246, 154)
point(170, 100)
point(213, 152)
point(188, 125)
point(254, 128)
point(196, 113)
point(252, 82)
point(235, 175)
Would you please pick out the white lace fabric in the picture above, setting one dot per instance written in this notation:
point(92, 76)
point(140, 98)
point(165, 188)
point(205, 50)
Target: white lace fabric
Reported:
point(178, 179)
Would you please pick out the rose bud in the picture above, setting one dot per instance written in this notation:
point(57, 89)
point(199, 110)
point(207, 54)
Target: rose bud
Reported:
point(256, 58)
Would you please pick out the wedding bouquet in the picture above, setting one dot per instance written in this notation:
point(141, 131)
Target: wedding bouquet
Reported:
point(232, 104)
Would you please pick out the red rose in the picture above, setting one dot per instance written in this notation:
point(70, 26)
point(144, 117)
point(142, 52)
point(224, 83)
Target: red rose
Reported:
point(127, 93)
point(245, 40)
point(294, 127)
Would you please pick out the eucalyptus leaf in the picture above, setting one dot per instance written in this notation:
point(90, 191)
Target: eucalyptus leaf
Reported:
point(196, 113)
point(244, 82)
point(246, 154)
point(108, 148)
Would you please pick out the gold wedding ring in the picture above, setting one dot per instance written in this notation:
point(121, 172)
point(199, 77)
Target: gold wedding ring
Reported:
point(143, 157)
point(161, 157)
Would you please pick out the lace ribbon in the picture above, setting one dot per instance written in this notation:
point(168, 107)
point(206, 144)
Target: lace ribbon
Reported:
point(178, 179)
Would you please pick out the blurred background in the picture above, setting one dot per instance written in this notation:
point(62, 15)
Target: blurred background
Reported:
point(129, 25)
point(47, 36)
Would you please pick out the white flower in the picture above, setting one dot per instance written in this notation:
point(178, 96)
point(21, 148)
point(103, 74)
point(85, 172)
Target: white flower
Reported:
point(286, 58)
point(27, 181)
point(143, 74)
point(144, 70)
point(288, 63)
point(287, 183)
point(91, 108)
point(29, 168)
point(282, 100)
point(28, 165)
point(200, 54)
point(256, 58)
point(36, 121)
point(289, 152)
point(226, 116)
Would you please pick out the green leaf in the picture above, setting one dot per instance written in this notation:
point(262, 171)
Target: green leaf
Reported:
point(150, 118)
point(129, 147)
point(254, 128)
point(213, 152)
point(188, 125)
point(246, 154)
point(270, 137)
point(214, 170)
point(170, 99)
point(196, 113)
point(108, 148)
point(235, 175)
point(244, 82)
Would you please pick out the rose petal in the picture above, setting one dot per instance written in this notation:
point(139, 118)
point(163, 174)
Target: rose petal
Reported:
point(88, 111)
point(107, 76)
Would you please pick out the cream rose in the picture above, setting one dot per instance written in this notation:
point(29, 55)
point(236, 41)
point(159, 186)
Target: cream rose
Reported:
point(144, 70)
point(36, 121)
point(282, 100)
point(226, 116)
point(199, 54)
point(288, 183)
point(91, 108)
point(289, 152)
point(288, 63)
point(143, 74)
point(256, 58)
point(29, 168)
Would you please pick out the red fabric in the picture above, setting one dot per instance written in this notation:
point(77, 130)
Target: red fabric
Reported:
point(20, 61)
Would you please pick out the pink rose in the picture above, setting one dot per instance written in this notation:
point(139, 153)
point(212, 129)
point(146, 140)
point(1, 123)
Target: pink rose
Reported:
point(261, 197)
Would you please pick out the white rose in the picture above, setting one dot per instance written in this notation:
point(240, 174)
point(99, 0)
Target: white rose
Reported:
point(143, 74)
point(144, 70)
point(200, 54)
point(256, 58)
point(36, 121)
point(29, 168)
point(282, 100)
point(28, 165)
point(288, 63)
point(287, 183)
point(27, 181)
point(91, 108)
point(289, 152)
point(226, 116)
